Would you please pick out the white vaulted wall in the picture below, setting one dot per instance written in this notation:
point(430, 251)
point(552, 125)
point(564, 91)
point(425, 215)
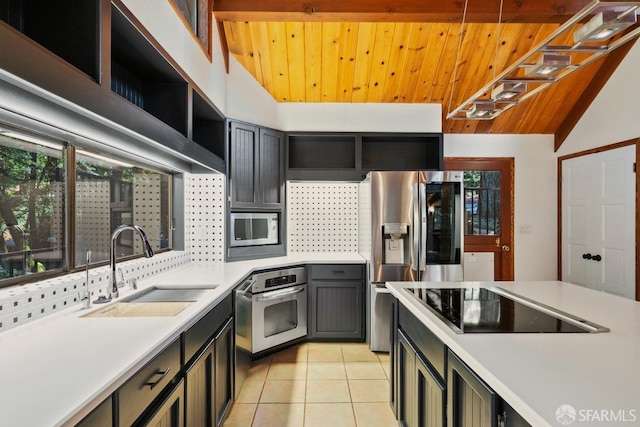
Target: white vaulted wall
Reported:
point(613, 116)
point(535, 188)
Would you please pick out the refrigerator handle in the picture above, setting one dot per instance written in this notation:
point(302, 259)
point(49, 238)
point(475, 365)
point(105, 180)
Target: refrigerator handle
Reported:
point(415, 253)
point(423, 228)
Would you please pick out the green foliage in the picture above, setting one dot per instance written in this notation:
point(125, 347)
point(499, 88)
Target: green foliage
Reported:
point(25, 189)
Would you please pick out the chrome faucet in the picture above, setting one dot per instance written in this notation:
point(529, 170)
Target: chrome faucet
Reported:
point(146, 248)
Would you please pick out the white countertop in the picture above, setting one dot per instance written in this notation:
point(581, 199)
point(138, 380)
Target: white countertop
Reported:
point(537, 373)
point(54, 370)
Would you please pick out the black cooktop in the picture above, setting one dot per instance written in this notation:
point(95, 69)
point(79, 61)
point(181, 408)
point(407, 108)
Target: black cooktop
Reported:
point(481, 310)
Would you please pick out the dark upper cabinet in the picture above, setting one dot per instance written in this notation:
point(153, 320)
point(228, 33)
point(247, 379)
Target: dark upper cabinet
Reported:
point(97, 55)
point(345, 156)
point(69, 29)
point(144, 77)
point(271, 155)
point(401, 152)
point(256, 167)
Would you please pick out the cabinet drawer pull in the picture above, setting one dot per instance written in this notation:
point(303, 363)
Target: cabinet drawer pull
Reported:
point(162, 374)
point(337, 271)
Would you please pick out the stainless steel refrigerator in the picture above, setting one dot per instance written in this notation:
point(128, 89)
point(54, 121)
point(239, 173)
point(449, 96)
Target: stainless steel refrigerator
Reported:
point(411, 229)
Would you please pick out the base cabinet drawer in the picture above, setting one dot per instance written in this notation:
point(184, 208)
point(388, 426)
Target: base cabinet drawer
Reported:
point(336, 272)
point(135, 396)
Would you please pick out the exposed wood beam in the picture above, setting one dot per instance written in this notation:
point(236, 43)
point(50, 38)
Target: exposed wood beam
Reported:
point(224, 46)
point(609, 65)
point(487, 11)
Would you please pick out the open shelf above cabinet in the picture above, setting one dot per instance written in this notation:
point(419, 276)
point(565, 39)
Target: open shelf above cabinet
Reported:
point(141, 75)
point(208, 125)
point(349, 157)
point(69, 29)
point(402, 152)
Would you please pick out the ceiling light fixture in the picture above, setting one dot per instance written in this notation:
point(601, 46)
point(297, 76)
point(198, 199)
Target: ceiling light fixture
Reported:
point(508, 91)
point(483, 111)
point(603, 26)
point(549, 64)
point(525, 78)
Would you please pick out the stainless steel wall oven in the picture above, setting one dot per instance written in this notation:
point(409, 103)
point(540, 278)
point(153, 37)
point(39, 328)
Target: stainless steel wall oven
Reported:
point(271, 309)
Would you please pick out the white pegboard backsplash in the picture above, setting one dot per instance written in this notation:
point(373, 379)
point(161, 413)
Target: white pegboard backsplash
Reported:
point(22, 304)
point(364, 219)
point(204, 217)
point(147, 213)
point(322, 217)
point(93, 218)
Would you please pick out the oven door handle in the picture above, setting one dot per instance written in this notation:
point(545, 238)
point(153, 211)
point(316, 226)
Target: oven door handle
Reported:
point(245, 289)
point(269, 296)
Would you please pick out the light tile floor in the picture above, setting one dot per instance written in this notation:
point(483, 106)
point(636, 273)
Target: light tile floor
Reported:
point(316, 385)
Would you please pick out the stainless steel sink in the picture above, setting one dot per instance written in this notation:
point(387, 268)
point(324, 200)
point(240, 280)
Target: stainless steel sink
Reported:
point(169, 293)
point(156, 301)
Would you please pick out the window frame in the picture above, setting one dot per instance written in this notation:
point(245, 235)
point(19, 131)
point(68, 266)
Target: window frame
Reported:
point(207, 50)
point(69, 207)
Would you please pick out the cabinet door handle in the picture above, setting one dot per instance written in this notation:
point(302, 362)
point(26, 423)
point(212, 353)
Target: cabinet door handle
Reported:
point(597, 258)
point(162, 374)
point(586, 256)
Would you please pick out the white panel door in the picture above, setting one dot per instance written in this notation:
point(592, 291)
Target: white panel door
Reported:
point(598, 221)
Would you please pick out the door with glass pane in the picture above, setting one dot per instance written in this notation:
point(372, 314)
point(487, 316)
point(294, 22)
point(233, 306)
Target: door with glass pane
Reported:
point(488, 204)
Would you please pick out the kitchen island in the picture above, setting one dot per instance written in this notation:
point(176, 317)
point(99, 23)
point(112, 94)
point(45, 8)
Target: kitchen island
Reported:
point(596, 374)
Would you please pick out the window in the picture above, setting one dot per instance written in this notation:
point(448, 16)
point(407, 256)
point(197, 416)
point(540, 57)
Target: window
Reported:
point(482, 202)
point(197, 17)
point(110, 193)
point(32, 193)
point(34, 206)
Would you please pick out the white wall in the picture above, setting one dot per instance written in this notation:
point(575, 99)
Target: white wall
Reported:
point(534, 199)
point(344, 117)
point(613, 115)
point(247, 100)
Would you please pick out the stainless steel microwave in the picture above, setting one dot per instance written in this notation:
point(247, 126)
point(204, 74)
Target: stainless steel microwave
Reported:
point(253, 229)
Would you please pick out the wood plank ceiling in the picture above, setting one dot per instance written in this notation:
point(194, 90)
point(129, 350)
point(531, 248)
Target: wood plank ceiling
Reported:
point(299, 54)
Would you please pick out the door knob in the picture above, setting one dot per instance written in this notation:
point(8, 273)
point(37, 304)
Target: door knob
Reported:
point(586, 256)
point(597, 258)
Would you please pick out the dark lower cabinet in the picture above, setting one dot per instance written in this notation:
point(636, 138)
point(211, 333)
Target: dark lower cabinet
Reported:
point(421, 392)
point(432, 386)
point(170, 412)
point(138, 397)
point(471, 401)
point(336, 303)
point(224, 370)
point(102, 416)
point(208, 381)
